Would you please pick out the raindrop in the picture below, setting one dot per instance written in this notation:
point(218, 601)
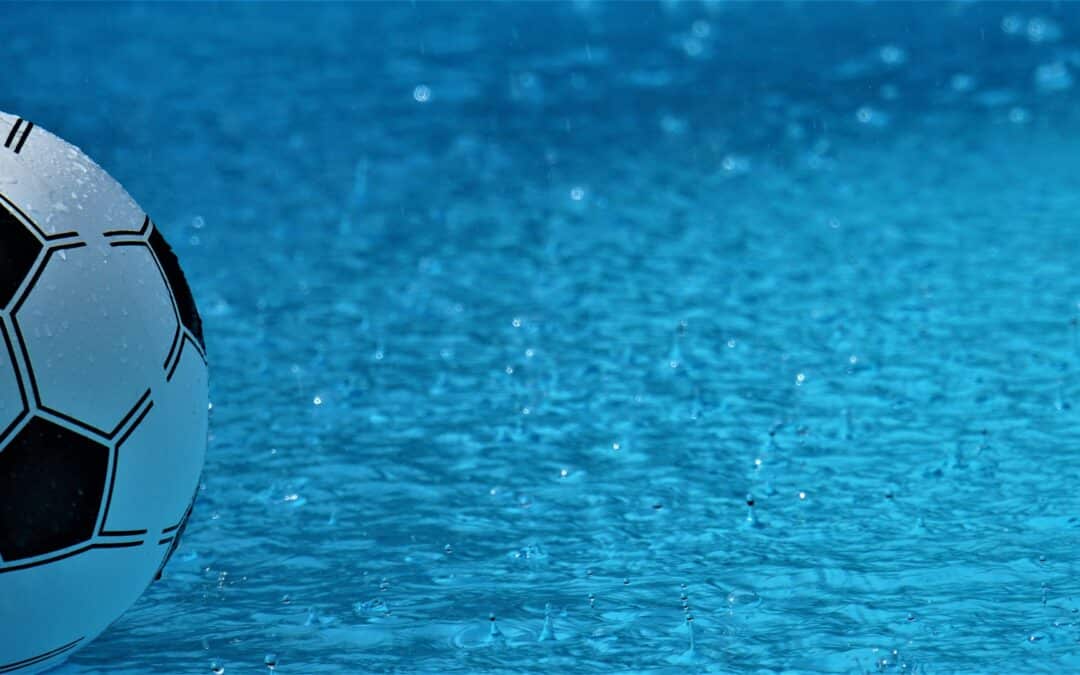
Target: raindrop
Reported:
point(892, 55)
point(962, 82)
point(1053, 77)
point(547, 633)
point(1010, 25)
point(495, 635)
point(1040, 29)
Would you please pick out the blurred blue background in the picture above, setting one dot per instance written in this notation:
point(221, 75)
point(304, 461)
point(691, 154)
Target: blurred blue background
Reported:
point(511, 307)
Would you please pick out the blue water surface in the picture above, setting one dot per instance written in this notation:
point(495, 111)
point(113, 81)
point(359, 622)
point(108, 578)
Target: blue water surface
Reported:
point(512, 309)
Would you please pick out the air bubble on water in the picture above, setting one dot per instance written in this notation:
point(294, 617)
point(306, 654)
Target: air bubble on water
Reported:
point(577, 193)
point(270, 661)
point(742, 598)
point(1011, 24)
point(421, 93)
point(216, 668)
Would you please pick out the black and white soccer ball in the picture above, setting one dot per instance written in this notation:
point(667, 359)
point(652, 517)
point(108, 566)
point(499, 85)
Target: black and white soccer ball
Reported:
point(103, 399)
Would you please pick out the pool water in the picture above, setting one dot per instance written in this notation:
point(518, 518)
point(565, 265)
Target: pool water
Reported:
point(513, 309)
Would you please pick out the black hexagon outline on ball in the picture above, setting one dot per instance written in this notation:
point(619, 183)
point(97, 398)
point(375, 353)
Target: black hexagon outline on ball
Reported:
point(38, 402)
point(14, 312)
point(185, 309)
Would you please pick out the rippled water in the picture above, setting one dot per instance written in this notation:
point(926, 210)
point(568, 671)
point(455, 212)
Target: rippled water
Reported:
point(512, 310)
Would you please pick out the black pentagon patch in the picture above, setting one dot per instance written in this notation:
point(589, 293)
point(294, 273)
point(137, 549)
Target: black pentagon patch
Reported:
point(51, 485)
point(185, 301)
point(19, 248)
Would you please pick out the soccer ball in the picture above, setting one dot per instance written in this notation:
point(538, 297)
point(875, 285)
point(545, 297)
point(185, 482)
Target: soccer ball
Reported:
point(103, 399)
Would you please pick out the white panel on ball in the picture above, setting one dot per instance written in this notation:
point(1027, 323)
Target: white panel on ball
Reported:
point(98, 314)
point(160, 443)
point(60, 188)
point(70, 600)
